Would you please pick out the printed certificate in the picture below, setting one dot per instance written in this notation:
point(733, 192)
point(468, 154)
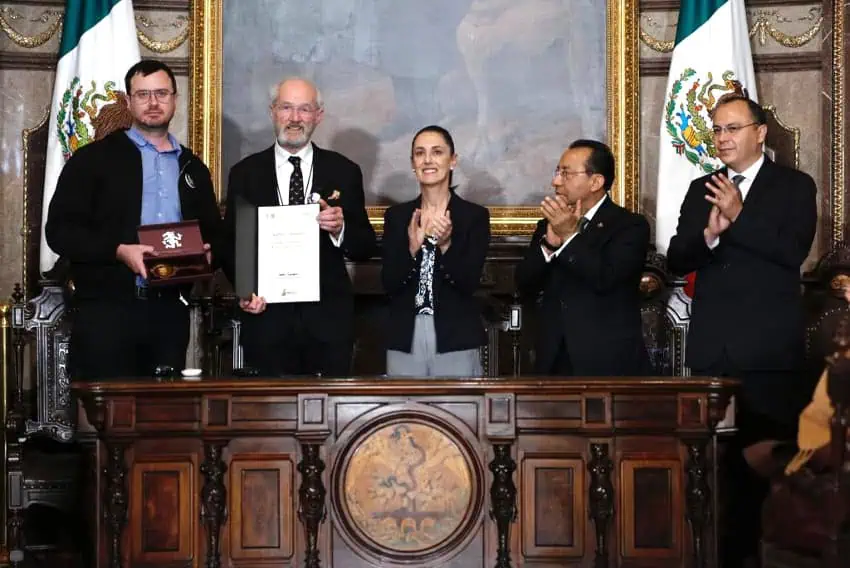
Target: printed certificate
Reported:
point(288, 253)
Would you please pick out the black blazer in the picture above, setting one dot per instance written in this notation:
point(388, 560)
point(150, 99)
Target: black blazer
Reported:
point(254, 179)
point(747, 299)
point(457, 316)
point(98, 206)
point(591, 295)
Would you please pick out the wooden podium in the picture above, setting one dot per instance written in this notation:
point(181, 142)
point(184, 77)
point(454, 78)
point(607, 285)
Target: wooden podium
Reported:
point(372, 471)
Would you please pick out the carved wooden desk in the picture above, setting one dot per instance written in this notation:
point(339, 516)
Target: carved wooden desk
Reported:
point(364, 472)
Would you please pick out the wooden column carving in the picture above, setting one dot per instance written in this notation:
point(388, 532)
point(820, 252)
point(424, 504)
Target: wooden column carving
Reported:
point(601, 499)
point(116, 501)
point(697, 499)
point(213, 500)
point(503, 509)
point(311, 500)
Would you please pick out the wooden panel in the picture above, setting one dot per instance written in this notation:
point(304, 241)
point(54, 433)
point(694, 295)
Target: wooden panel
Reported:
point(161, 519)
point(216, 411)
point(692, 411)
point(466, 412)
point(346, 412)
point(645, 411)
point(651, 497)
point(500, 411)
point(597, 410)
point(158, 414)
point(122, 414)
point(261, 413)
point(553, 509)
point(536, 411)
point(313, 413)
point(262, 523)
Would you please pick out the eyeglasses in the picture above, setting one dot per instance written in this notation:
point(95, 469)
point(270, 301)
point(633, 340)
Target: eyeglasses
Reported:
point(286, 108)
point(566, 174)
point(732, 129)
point(162, 95)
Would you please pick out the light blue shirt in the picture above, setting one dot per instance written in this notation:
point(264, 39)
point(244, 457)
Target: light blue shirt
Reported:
point(160, 172)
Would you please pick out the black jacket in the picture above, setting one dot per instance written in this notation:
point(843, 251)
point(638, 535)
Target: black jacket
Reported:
point(457, 274)
point(591, 295)
point(747, 300)
point(98, 206)
point(255, 180)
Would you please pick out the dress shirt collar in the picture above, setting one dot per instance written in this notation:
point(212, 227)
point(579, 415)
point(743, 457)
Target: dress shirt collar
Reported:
point(592, 211)
point(282, 155)
point(750, 173)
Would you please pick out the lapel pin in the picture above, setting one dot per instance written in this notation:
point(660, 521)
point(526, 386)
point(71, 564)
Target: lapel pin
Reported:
point(600, 225)
point(189, 181)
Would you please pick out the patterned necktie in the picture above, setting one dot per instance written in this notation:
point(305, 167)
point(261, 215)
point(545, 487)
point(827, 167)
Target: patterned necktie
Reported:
point(582, 224)
point(296, 182)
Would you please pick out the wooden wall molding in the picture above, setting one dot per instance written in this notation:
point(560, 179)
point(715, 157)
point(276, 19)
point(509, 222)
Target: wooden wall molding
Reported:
point(163, 5)
point(767, 63)
point(661, 5)
point(47, 62)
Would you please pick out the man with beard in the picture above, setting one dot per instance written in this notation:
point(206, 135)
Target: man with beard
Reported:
point(303, 338)
point(139, 176)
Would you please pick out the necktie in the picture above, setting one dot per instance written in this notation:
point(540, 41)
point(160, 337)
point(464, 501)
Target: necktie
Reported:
point(582, 224)
point(737, 180)
point(296, 182)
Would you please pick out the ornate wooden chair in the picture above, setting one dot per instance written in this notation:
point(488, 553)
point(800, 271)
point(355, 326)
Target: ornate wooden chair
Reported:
point(807, 516)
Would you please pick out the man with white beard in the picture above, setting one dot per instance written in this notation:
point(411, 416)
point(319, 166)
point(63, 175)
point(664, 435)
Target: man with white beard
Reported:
point(302, 338)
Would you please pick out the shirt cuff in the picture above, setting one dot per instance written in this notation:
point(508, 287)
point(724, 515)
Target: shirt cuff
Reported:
point(548, 256)
point(337, 241)
point(713, 244)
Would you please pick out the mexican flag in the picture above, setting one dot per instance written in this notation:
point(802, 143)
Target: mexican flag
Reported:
point(711, 57)
point(98, 46)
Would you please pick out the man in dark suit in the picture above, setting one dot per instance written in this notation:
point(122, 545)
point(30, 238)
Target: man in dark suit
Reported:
point(141, 176)
point(303, 338)
point(587, 257)
point(746, 229)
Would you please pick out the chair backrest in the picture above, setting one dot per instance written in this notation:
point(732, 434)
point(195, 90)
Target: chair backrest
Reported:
point(825, 304)
point(110, 117)
point(47, 321)
point(663, 327)
point(783, 141)
point(35, 158)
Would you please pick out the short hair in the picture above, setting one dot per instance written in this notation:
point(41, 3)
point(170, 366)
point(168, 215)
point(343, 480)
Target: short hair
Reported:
point(757, 112)
point(600, 161)
point(273, 90)
point(147, 67)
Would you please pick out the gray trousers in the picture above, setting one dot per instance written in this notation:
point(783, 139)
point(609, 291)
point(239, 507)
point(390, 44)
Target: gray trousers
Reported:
point(424, 361)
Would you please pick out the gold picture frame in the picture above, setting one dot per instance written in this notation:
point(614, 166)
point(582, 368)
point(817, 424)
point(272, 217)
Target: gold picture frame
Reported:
point(623, 112)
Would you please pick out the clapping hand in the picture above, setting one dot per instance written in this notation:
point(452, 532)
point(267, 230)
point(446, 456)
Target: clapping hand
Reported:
point(725, 196)
point(562, 216)
point(415, 232)
point(440, 227)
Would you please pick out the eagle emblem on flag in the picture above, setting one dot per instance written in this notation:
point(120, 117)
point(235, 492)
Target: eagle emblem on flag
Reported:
point(687, 115)
point(82, 113)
